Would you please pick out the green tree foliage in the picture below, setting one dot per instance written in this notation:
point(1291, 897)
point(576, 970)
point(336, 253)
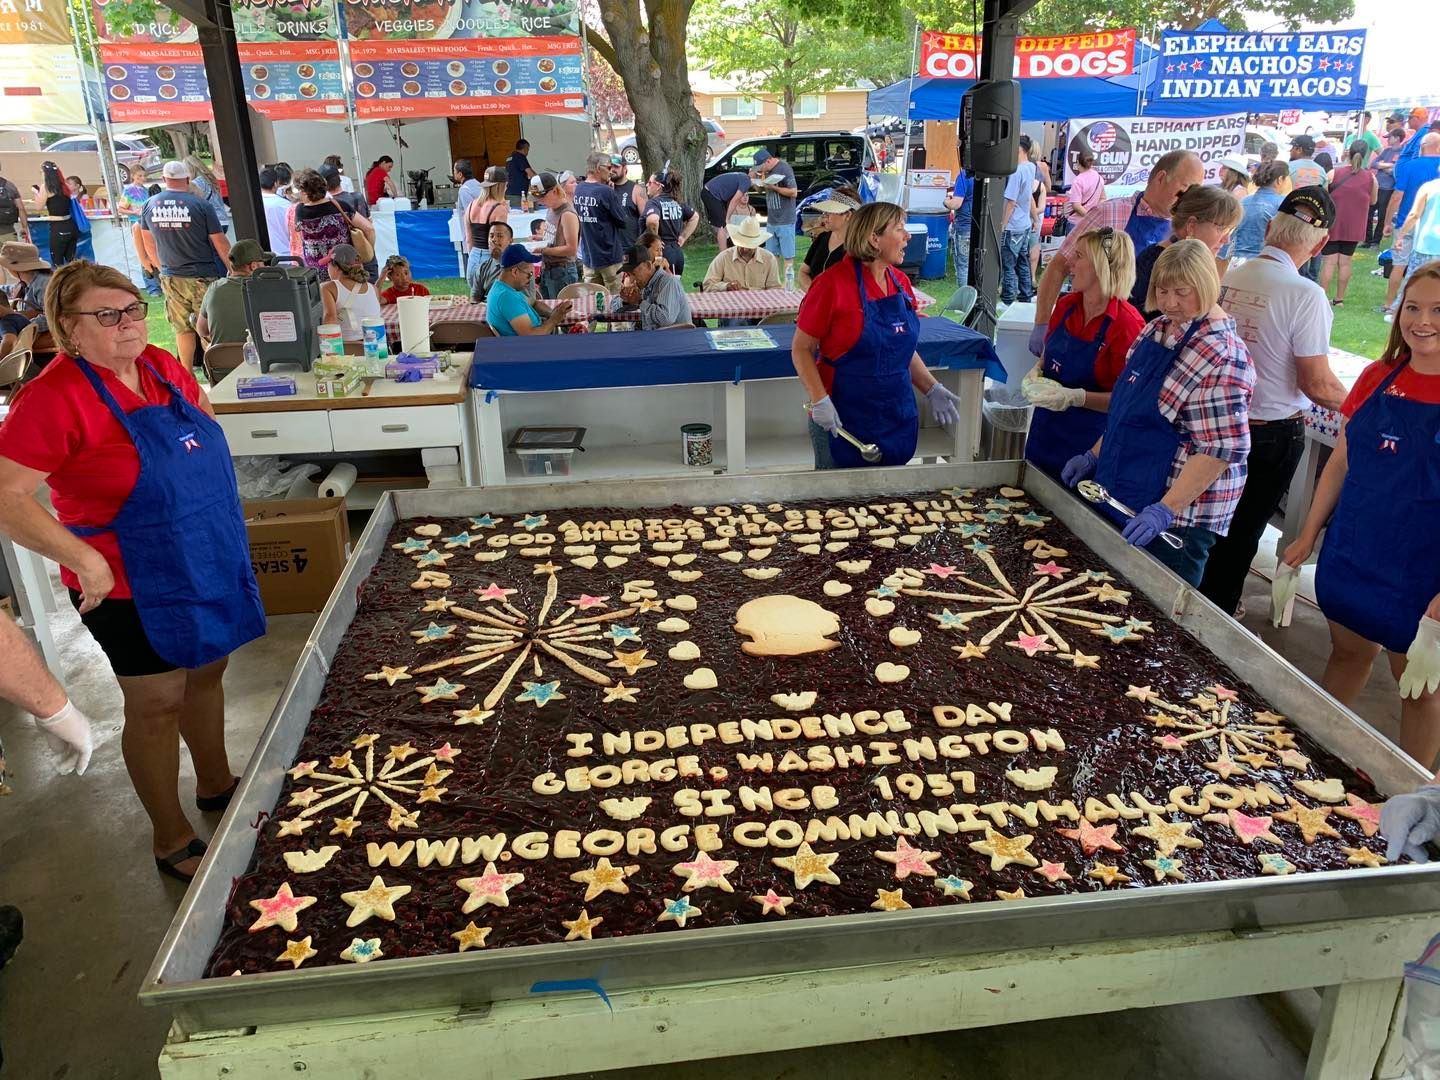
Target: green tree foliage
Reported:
point(768, 47)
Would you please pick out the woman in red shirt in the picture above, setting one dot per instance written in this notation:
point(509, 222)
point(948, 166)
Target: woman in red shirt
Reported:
point(150, 538)
point(1353, 188)
point(1089, 336)
point(1378, 580)
point(859, 322)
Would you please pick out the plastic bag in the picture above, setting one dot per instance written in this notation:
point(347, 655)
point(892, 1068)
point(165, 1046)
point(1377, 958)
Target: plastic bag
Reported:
point(1422, 1014)
point(264, 477)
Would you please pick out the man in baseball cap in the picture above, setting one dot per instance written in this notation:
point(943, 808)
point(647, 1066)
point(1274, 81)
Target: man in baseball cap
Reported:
point(560, 255)
point(182, 234)
point(222, 311)
point(507, 307)
point(1284, 319)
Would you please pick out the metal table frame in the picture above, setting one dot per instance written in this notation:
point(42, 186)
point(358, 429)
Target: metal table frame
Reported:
point(1349, 931)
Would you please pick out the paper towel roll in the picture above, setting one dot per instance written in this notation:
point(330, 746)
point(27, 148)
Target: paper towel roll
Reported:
point(339, 482)
point(414, 324)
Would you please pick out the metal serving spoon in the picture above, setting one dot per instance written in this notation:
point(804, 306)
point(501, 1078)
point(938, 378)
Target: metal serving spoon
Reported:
point(869, 451)
point(1090, 491)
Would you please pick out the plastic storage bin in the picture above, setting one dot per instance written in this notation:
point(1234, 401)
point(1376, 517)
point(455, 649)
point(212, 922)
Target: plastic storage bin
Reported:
point(546, 451)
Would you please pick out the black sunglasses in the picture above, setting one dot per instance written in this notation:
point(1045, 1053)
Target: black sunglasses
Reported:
point(1107, 239)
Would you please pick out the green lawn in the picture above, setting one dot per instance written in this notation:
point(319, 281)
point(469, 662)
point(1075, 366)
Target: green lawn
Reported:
point(1358, 327)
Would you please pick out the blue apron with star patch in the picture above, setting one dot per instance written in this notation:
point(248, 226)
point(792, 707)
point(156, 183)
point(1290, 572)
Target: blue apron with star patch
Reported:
point(181, 533)
point(871, 392)
point(1056, 437)
point(1378, 571)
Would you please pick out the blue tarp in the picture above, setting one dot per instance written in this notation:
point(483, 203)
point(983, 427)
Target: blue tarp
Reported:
point(677, 357)
point(1061, 99)
point(423, 237)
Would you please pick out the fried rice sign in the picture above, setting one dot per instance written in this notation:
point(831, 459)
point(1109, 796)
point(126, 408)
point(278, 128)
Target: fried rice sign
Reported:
point(1101, 54)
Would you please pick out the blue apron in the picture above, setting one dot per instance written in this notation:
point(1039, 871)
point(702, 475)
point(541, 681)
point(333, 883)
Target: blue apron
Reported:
point(1056, 437)
point(1145, 231)
point(1140, 443)
point(1378, 570)
point(181, 534)
point(871, 391)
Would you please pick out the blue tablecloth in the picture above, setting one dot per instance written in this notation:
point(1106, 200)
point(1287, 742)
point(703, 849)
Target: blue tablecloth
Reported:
point(668, 357)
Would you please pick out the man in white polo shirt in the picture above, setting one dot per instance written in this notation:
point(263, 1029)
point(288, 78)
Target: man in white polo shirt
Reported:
point(1285, 321)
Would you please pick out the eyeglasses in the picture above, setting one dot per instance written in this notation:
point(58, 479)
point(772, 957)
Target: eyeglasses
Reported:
point(1107, 239)
point(109, 316)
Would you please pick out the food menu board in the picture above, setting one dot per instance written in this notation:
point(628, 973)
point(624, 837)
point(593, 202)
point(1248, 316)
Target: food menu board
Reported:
point(155, 82)
point(440, 20)
point(40, 84)
point(466, 76)
point(284, 81)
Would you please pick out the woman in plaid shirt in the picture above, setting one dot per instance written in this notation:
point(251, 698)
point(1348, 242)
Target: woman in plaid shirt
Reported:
point(1178, 430)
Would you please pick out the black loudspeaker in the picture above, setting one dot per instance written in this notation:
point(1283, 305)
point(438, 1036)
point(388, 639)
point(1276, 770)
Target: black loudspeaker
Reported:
point(990, 127)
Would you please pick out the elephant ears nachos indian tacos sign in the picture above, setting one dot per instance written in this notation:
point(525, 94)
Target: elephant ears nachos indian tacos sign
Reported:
point(1104, 53)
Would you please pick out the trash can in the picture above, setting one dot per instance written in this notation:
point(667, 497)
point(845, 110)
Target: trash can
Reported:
point(937, 242)
point(1003, 429)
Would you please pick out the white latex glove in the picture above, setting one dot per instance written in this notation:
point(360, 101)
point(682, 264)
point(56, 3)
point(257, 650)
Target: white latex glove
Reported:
point(1282, 594)
point(1408, 822)
point(1422, 662)
point(1049, 394)
point(68, 735)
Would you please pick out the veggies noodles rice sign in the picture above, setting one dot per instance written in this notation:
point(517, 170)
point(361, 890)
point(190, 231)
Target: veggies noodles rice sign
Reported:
point(1265, 72)
point(1104, 53)
point(1127, 148)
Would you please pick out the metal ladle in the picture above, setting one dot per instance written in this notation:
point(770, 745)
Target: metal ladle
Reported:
point(1090, 491)
point(869, 451)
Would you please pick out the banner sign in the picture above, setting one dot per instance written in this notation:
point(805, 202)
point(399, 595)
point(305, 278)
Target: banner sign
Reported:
point(1127, 148)
point(1262, 72)
point(294, 80)
point(34, 22)
point(448, 20)
point(41, 84)
point(466, 77)
point(1103, 54)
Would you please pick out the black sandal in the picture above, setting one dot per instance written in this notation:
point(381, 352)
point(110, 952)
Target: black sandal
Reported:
point(212, 804)
point(169, 864)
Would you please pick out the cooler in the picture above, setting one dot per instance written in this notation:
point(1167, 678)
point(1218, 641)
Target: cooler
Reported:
point(283, 310)
point(914, 261)
point(937, 243)
point(1012, 344)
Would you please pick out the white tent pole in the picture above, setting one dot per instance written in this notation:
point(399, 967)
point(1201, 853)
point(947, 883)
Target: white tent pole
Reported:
point(347, 84)
point(104, 140)
point(909, 105)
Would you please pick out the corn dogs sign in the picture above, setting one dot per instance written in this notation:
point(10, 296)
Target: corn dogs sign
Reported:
point(1102, 54)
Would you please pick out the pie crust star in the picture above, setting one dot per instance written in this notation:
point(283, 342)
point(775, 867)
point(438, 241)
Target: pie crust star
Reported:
point(1106, 873)
point(1053, 872)
point(494, 591)
point(473, 715)
point(1313, 821)
point(1092, 837)
point(632, 662)
point(1030, 644)
point(391, 675)
point(808, 865)
point(297, 952)
point(772, 903)
point(704, 872)
point(1082, 660)
point(1003, 850)
point(1247, 827)
point(294, 827)
point(970, 651)
point(1362, 856)
point(677, 911)
point(603, 878)
point(909, 860)
point(951, 885)
point(582, 926)
point(280, 910)
point(1166, 866)
point(541, 693)
point(472, 937)
point(378, 901)
point(344, 826)
point(889, 900)
point(443, 690)
point(1142, 694)
point(620, 692)
point(1168, 835)
point(1365, 814)
point(491, 887)
point(362, 950)
point(441, 604)
point(1275, 864)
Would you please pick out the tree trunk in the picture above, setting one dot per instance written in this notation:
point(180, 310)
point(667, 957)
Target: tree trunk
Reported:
point(649, 57)
point(788, 104)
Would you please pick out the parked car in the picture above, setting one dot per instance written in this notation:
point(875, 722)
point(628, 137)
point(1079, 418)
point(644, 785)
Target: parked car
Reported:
point(714, 135)
point(129, 149)
point(895, 128)
point(820, 159)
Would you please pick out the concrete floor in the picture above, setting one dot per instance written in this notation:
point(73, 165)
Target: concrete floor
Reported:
point(74, 856)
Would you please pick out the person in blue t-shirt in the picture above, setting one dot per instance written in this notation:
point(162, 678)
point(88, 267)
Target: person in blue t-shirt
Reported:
point(1015, 279)
point(1410, 177)
point(602, 223)
point(508, 309)
point(958, 203)
point(183, 236)
point(518, 173)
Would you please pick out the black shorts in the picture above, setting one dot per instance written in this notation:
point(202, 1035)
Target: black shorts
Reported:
point(115, 625)
point(1340, 247)
point(714, 209)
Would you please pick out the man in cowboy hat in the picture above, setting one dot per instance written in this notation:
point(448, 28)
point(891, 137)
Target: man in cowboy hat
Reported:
point(746, 265)
point(27, 298)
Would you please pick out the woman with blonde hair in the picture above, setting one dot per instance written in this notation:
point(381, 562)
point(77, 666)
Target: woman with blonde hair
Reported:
point(207, 186)
point(348, 296)
point(1378, 580)
point(148, 533)
point(1202, 213)
point(1089, 336)
point(854, 348)
point(1178, 431)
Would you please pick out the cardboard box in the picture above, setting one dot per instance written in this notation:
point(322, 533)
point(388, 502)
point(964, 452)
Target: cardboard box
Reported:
point(298, 549)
